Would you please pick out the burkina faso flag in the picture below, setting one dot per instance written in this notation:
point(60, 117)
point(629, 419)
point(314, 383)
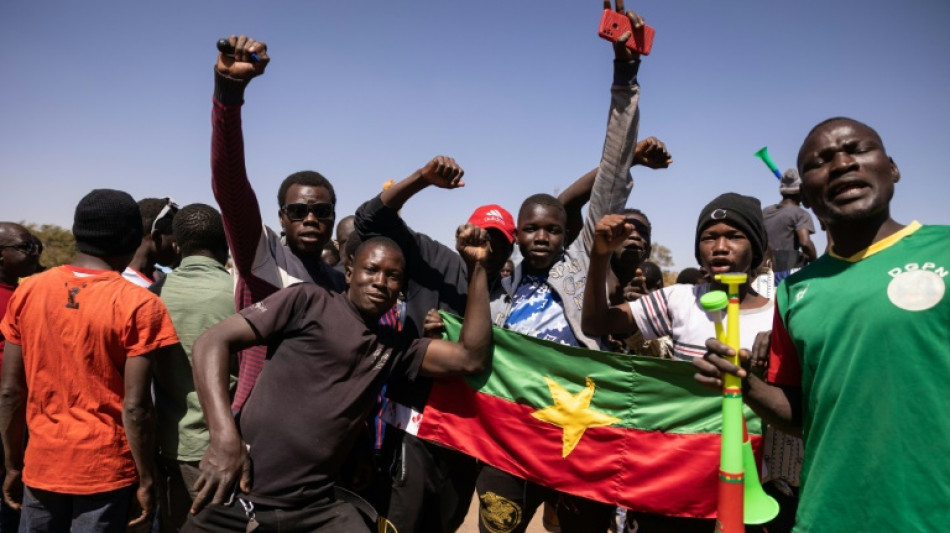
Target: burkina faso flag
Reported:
point(634, 431)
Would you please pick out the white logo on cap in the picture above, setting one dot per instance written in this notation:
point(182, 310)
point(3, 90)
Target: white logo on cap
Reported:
point(496, 214)
point(718, 214)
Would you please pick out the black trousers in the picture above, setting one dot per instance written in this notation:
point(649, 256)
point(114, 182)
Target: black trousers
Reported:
point(431, 486)
point(327, 516)
point(507, 503)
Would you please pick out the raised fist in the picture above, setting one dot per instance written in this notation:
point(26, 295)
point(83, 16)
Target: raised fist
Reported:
point(443, 172)
point(652, 153)
point(610, 233)
point(472, 243)
point(239, 64)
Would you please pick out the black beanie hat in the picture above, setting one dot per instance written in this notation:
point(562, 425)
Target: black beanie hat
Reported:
point(742, 212)
point(107, 223)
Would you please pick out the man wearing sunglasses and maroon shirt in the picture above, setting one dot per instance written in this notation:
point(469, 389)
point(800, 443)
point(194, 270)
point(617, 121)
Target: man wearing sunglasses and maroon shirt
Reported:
point(263, 261)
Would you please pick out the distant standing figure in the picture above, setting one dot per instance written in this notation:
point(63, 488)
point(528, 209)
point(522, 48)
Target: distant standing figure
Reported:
point(789, 227)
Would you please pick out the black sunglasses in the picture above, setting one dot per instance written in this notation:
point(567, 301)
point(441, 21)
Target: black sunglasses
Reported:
point(27, 247)
point(298, 212)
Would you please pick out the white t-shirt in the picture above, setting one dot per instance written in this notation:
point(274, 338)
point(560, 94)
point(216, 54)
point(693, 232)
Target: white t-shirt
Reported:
point(136, 277)
point(675, 311)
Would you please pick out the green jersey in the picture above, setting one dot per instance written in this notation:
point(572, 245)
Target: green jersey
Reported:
point(867, 338)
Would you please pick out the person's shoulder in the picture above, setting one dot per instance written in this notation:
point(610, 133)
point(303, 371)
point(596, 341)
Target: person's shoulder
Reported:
point(938, 230)
point(675, 295)
point(930, 237)
point(689, 290)
point(336, 280)
point(802, 212)
point(132, 292)
point(307, 288)
point(819, 268)
point(51, 275)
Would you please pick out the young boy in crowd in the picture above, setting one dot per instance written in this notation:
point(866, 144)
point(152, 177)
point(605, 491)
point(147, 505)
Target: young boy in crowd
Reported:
point(730, 237)
point(543, 297)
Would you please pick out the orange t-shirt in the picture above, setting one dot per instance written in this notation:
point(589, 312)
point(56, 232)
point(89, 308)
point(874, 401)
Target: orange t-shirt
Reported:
point(76, 328)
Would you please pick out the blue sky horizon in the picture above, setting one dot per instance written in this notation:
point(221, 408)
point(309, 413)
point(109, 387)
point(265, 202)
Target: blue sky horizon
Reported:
point(118, 95)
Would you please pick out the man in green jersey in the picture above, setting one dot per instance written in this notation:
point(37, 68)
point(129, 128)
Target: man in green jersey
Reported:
point(859, 358)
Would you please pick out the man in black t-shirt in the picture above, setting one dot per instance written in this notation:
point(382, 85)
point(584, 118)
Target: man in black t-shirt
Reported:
point(325, 367)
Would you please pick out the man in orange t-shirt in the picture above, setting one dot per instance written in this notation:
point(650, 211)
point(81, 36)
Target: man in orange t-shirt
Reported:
point(76, 373)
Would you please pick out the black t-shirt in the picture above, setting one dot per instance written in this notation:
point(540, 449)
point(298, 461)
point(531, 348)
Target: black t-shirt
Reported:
point(325, 368)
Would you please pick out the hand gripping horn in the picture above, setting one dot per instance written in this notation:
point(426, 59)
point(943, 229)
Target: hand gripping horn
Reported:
point(741, 498)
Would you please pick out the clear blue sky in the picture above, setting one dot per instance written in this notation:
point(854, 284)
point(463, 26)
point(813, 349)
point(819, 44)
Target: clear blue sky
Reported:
point(118, 94)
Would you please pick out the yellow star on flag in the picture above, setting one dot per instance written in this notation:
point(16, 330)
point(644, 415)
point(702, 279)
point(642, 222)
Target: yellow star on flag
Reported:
point(572, 413)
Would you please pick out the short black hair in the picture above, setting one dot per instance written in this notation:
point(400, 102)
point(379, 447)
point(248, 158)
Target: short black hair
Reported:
point(545, 200)
point(9, 232)
point(150, 208)
point(198, 227)
point(653, 274)
point(304, 177)
point(379, 240)
point(351, 245)
point(634, 211)
point(690, 276)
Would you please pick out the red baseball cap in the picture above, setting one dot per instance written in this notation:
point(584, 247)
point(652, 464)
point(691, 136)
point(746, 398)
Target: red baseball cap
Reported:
point(494, 216)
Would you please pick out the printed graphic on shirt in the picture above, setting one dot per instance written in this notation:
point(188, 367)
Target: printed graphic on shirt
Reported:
point(537, 311)
point(917, 287)
point(801, 293)
point(71, 302)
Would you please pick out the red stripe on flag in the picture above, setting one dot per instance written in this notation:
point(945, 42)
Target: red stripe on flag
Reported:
point(666, 473)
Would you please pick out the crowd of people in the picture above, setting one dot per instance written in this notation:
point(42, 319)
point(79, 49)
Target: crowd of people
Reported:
point(247, 397)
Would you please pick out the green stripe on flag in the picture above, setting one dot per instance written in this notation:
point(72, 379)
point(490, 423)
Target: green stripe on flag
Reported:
point(665, 397)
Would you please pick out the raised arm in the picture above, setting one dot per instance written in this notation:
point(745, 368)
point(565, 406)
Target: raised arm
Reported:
point(613, 183)
point(598, 318)
point(650, 153)
point(232, 190)
point(473, 351)
point(380, 215)
point(226, 455)
point(441, 171)
point(13, 390)
point(429, 263)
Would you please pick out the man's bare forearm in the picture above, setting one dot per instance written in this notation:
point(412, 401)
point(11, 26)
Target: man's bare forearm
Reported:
point(476, 335)
point(138, 416)
point(13, 406)
point(778, 406)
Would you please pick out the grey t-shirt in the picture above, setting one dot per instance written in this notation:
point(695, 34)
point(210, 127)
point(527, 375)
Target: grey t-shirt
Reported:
point(325, 368)
point(781, 224)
